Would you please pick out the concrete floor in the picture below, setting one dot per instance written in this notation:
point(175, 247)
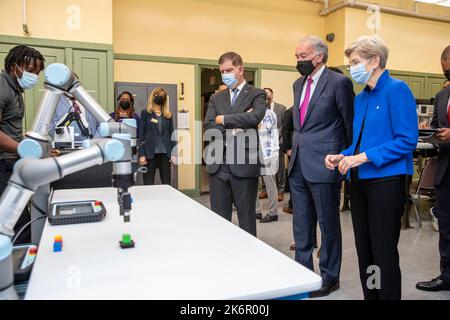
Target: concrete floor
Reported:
point(419, 255)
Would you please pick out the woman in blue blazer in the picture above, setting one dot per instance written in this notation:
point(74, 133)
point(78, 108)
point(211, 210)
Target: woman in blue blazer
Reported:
point(385, 134)
point(155, 134)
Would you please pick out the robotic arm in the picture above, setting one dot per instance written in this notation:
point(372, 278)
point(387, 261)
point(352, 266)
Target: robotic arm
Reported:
point(36, 168)
point(30, 173)
point(60, 80)
point(70, 117)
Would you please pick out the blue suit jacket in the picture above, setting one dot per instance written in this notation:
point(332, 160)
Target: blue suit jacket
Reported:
point(327, 128)
point(390, 130)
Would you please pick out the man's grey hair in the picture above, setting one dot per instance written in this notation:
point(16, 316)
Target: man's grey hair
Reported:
point(318, 45)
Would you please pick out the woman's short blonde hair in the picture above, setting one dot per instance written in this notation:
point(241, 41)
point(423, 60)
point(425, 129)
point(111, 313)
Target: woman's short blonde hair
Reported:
point(369, 47)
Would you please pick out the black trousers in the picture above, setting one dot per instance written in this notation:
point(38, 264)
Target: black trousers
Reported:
point(377, 209)
point(161, 162)
point(6, 170)
point(226, 189)
point(443, 215)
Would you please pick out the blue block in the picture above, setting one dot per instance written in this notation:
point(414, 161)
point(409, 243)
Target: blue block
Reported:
point(57, 247)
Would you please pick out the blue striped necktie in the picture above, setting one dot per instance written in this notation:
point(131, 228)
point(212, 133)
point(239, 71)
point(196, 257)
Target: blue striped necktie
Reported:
point(235, 95)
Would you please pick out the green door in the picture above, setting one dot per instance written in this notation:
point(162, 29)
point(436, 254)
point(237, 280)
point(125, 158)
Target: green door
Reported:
point(91, 68)
point(434, 85)
point(417, 86)
point(33, 97)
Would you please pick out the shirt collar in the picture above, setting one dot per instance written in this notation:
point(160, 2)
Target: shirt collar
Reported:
point(381, 80)
point(11, 81)
point(317, 75)
point(239, 87)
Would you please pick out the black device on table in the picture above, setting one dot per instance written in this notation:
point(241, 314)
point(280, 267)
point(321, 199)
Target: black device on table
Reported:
point(76, 212)
point(23, 261)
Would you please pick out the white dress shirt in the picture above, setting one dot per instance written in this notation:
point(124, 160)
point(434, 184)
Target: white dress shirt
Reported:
point(315, 79)
point(238, 92)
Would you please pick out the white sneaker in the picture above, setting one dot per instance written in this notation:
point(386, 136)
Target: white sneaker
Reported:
point(434, 220)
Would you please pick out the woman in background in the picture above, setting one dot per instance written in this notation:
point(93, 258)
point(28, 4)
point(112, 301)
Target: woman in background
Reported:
point(125, 109)
point(156, 137)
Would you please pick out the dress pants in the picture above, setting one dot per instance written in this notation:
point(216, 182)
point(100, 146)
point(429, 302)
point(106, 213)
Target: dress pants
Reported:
point(272, 195)
point(321, 200)
point(226, 189)
point(443, 215)
point(280, 176)
point(161, 162)
point(377, 208)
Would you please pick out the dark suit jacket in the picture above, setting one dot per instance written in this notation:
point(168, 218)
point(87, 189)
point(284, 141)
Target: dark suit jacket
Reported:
point(327, 128)
point(150, 135)
point(279, 110)
point(440, 121)
point(236, 118)
point(287, 130)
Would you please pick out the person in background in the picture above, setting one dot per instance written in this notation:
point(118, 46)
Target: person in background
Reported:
point(441, 121)
point(125, 109)
point(385, 134)
point(155, 133)
point(269, 149)
point(22, 68)
point(286, 146)
point(68, 104)
point(279, 110)
point(323, 116)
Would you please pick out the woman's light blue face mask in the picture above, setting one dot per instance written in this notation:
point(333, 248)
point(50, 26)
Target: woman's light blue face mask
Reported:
point(360, 74)
point(28, 80)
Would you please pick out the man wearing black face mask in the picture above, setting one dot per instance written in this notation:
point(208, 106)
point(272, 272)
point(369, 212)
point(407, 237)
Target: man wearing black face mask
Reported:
point(323, 121)
point(441, 121)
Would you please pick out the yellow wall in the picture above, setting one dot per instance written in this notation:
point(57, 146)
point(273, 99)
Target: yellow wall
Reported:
point(54, 19)
point(414, 44)
point(335, 23)
point(263, 31)
point(281, 84)
point(150, 72)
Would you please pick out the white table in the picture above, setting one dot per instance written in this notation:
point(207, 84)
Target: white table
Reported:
point(183, 251)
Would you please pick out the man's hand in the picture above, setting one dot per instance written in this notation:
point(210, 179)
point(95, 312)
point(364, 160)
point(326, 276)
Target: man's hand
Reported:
point(173, 160)
point(142, 160)
point(219, 120)
point(347, 163)
point(332, 160)
point(289, 152)
point(443, 134)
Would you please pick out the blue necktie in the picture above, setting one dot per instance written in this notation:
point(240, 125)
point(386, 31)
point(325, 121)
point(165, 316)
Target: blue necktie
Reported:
point(235, 95)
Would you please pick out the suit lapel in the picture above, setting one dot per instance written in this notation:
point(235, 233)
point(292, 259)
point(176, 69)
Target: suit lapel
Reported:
point(317, 92)
point(298, 95)
point(226, 102)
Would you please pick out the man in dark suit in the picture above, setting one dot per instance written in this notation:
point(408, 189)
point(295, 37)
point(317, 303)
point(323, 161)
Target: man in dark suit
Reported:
point(279, 110)
point(323, 121)
point(441, 121)
point(231, 158)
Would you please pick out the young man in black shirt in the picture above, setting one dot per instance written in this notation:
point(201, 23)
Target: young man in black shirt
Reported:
point(22, 67)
